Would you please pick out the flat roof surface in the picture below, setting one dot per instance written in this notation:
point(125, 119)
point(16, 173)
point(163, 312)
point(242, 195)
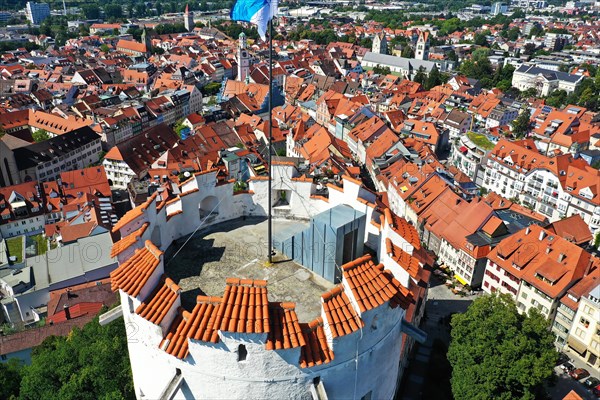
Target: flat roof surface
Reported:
point(238, 249)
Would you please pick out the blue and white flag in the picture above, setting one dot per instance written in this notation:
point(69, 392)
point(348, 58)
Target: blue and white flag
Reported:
point(258, 12)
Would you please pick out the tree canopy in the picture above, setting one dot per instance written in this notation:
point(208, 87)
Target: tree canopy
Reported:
point(40, 135)
point(497, 353)
point(90, 363)
point(520, 125)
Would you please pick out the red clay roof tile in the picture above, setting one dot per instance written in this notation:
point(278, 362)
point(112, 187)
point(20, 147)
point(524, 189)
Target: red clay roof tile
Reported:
point(132, 275)
point(403, 228)
point(316, 351)
point(160, 301)
point(127, 241)
point(370, 286)
point(285, 330)
point(405, 260)
point(342, 318)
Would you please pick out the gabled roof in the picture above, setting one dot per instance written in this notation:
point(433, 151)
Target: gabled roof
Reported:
point(574, 229)
point(132, 275)
point(316, 351)
point(340, 315)
point(371, 286)
point(285, 332)
point(160, 301)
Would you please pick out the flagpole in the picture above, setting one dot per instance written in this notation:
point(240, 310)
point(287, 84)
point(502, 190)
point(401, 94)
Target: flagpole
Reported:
point(270, 222)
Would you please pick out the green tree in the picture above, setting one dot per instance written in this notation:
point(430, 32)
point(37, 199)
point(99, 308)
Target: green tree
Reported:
point(40, 135)
point(211, 89)
point(178, 127)
point(420, 77)
point(520, 125)
point(513, 33)
point(10, 378)
point(113, 11)
point(378, 69)
point(104, 48)
point(91, 363)
point(481, 40)
point(408, 52)
point(91, 11)
point(497, 353)
point(434, 79)
point(557, 98)
point(528, 49)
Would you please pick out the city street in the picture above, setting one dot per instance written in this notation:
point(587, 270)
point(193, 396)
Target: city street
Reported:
point(565, 383)
point(441, 304)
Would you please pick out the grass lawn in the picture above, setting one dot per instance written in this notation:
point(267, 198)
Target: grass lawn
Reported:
point(480, 140)
point(15, 248)
point(41, 244)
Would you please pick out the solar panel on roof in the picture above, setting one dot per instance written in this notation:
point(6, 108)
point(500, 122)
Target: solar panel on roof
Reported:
point(546, 109)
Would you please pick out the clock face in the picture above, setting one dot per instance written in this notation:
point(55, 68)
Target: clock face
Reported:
point(244, 54)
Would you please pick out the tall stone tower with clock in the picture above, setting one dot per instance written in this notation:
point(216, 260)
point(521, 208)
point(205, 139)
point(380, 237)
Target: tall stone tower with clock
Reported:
point(243, 58)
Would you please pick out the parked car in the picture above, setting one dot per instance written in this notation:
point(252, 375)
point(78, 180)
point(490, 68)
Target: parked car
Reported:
point(567, 367)
point(596, 391)
point(591, 382)
point(579, 373)
point(562, 358)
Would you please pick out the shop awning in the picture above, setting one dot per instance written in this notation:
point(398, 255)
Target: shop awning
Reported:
point(576, 345)
point(461, 280)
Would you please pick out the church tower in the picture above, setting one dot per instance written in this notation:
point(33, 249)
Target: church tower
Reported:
point(188, 19)
point(146, 40)
point(243, 59)
point(422, 52)
point(379, 44)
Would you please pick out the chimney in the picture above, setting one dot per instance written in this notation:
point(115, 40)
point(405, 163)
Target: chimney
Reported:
point(548, 249)
point(67, 312)
point(561, 257)
point(527, 230)
point(542, 235)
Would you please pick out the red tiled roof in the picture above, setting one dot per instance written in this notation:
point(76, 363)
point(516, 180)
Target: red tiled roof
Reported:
point(160, 301)
point(76, 311)
point(199, 325)
point(285, 330)
point(371, 287)
point(245, 307)
point(128, 240)
point(342, 318)
point(70, 233)
point(131, 215)
point(403, 228)
point(132, 275)
point(405, 260)
point(316, 351)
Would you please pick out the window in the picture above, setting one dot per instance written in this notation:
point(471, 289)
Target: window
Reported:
point(579, 332)
point(588, 310)
point(584, 322)
point(242, 353)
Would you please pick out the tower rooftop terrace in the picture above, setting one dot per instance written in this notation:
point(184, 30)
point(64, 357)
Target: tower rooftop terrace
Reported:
point(238, 249)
